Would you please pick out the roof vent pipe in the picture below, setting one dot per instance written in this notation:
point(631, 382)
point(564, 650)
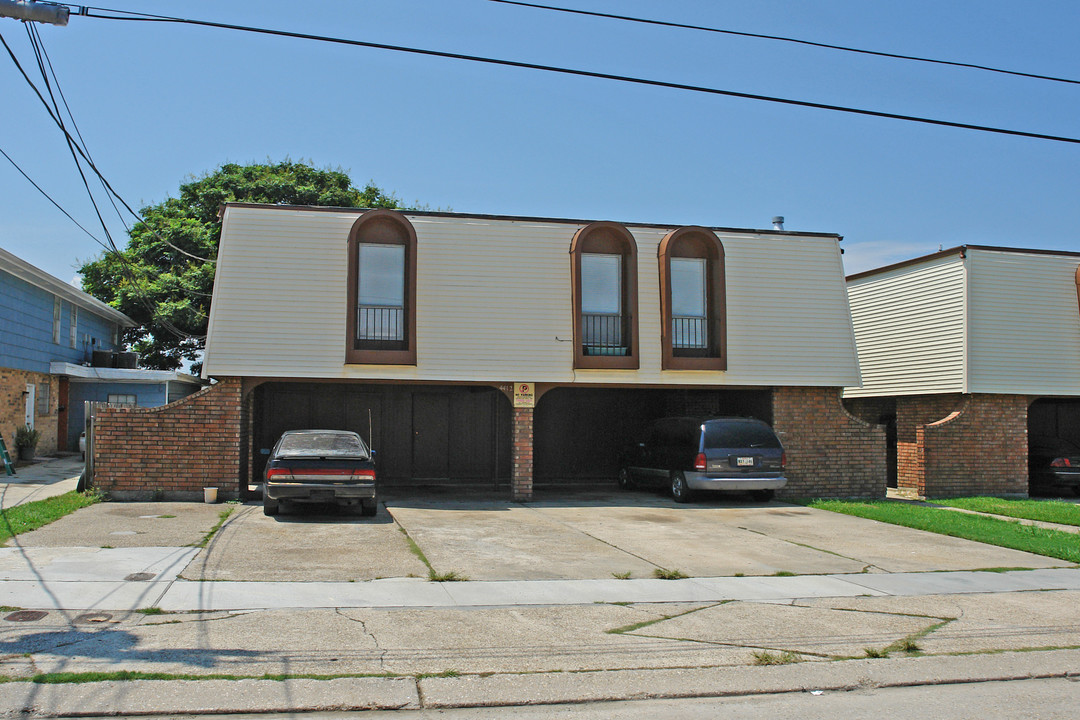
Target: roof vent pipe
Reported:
point(778, 222)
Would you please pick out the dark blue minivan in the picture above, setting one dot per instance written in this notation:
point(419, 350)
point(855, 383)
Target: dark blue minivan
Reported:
point(686, 454)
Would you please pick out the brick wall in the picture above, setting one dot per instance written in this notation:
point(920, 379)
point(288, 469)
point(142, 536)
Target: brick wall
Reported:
point(912, 412)
point(979, 449)
point(13, 408)
point(175, 450)
point(830, 452)
point(522, 474)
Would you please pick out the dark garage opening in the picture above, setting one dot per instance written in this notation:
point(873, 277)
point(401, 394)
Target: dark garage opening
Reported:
point(580, 433)
point(422, 434)
point(1053, 427)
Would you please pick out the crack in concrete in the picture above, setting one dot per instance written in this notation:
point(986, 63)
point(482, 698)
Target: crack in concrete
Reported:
point(866, 568)
point(363, 627)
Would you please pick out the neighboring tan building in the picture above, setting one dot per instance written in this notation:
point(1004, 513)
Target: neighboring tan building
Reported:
point(511, 352)
point(967, 353)
point(49, 334)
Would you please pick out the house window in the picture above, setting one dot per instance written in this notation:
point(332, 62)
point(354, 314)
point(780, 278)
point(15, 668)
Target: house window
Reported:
point(692, 296)
point(56, 320)
point(73, 335)
point(604, 276)
point(122, 399)
point(381, 326)
point(41, 399)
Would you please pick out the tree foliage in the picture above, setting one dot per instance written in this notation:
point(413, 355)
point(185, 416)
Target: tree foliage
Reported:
point(164, 278)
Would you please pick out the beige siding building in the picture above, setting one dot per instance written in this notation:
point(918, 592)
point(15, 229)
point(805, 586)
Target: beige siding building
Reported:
point(974, 354)
point(527, 353)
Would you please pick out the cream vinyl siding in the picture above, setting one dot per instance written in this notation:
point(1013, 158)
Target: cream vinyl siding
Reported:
point(494, 304)
point(1025, 323)
point(909, 329)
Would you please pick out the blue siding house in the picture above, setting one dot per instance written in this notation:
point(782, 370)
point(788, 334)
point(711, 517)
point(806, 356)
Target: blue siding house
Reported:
point(49, 333)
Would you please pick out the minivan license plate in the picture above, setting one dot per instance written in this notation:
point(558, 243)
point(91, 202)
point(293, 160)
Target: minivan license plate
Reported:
point(744, 462)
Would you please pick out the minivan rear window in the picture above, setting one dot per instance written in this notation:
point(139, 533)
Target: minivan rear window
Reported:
point(739, 434)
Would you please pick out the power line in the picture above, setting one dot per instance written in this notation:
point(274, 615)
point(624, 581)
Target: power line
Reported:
point(781, 38)
point(76, 147)
point(49, 198)
point(90, 12)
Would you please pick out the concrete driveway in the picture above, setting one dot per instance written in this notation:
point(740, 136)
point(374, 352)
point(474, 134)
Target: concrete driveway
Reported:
point(598, 535)
point(580, 536)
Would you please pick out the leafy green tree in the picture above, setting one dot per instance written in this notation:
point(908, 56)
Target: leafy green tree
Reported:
point(164, 278)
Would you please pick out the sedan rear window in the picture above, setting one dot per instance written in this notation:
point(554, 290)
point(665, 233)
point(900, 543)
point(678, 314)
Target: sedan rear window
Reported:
point(739, 434)
point(322, 445)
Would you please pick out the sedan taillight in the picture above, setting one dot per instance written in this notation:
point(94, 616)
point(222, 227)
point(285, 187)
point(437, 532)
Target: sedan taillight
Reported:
point(699, 462)
point(364, 475)
point(277, 472)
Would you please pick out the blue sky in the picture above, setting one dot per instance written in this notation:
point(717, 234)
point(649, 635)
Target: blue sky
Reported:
point(158, 104)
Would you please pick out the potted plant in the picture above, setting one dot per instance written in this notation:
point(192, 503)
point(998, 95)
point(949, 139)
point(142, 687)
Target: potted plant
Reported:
point(26, 440)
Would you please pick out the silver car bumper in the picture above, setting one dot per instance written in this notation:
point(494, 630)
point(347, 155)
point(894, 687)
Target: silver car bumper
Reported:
point(702, 481)
point(317, 492)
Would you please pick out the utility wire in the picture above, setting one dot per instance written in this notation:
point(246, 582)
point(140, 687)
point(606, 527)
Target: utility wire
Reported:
point(71, 117)
point(132, 275)
point(31, 32)
point(49, 198)
point(781, 38)
point(93, 12)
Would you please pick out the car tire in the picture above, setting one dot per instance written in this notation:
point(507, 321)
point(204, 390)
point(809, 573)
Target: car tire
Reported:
point(625, 483)
point(270, 505)
point(680, 491)
point(368, 508)
point(81, 485)
point(763, 495)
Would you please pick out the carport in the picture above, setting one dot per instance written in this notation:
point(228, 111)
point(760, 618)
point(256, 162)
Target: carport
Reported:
point(422, 434)
point(580, 433)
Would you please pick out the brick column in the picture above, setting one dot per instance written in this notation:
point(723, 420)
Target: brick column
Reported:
point(912, 413)
point(522, 476)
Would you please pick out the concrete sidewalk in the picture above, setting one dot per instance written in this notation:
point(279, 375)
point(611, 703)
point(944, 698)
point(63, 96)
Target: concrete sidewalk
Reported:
point(45, 478)
point(133, 578)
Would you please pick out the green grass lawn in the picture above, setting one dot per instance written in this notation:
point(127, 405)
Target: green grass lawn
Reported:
point(32, 515)
point(994, 531)
point(1054, 511)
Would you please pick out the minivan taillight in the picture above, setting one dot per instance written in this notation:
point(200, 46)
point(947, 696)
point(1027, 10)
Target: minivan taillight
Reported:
point(783, 459)
point(699, 462)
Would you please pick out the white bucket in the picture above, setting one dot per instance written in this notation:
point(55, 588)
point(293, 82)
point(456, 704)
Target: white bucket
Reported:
point(210, 495)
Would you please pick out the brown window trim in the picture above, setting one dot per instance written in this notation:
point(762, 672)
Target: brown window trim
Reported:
point(612, 239)
point(369, 222)
point(716, 296)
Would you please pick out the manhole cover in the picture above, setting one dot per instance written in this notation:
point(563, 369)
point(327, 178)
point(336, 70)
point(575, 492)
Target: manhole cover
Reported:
point(93, 618)
point(140, 576)
point(26, 615)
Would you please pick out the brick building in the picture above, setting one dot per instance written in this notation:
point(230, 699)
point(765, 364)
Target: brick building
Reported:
point(970, 356)
point(506, 352)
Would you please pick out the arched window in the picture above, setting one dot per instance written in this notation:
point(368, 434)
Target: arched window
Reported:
point(381, 324)
point(603, 270)
point(692, 298)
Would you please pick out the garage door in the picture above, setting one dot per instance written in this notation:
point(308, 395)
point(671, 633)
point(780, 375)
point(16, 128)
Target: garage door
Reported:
point(580, 433)
point(421, 434)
